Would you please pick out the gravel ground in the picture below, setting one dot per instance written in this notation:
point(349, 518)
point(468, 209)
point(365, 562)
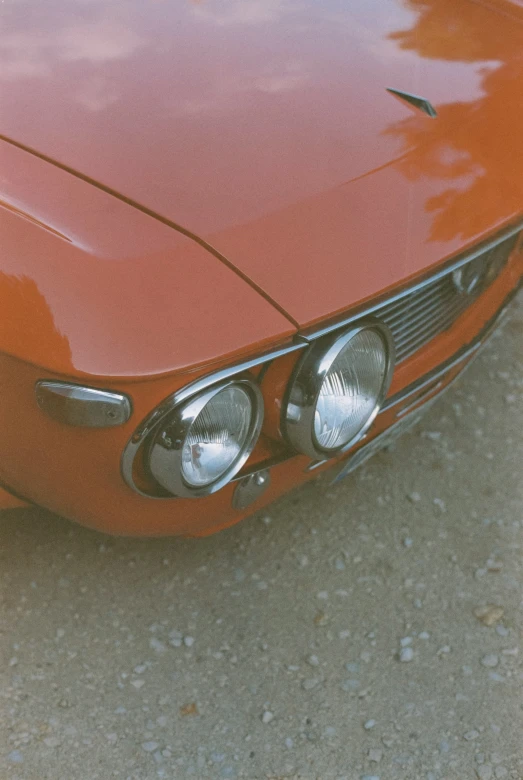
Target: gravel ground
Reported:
point(369, 630)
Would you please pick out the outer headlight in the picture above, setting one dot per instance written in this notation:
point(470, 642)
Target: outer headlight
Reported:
point(206, 440)
point(337, 390)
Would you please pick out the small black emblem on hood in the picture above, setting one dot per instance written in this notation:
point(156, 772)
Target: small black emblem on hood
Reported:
point(416, 101)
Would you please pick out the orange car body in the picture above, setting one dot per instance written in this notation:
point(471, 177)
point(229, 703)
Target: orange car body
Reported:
point(186, 186)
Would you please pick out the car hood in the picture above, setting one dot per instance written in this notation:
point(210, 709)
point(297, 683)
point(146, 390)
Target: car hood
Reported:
point(264, 127)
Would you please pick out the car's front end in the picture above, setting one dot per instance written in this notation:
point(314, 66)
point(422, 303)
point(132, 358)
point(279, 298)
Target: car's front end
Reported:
point(261, 280)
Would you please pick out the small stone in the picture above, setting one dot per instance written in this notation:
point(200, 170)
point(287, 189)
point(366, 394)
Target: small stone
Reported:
point(310, 683)
point(490, 660)
point(137, 684)
point(406, 641)
point(350, 685)
point(408, 542)
point(15, 757)
point(52, 742)
point(369, 777)
point(484, 772)
point(140, 669)
point(502, 631)
point(344, 634)
point(445, 650)
point(500, 771)
point(471, 735)
point(444, 746)
point(188, 641)
point(313, 660)
point(352, 667)
point(289, 743)
point(175, 638)
point(158, 646)
point(406, 655)
point(13, 661)
point(440, 504)
point(424, 635)
point(267, 717)
point(375, 755)
point(189, 709)
point(323, 594)
point(489, 615)
point(414, 497)
point(369, 724)
point(149, 747)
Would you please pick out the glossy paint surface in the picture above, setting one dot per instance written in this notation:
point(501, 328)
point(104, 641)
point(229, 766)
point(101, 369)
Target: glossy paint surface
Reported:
point(265, 127)
point(91, 286)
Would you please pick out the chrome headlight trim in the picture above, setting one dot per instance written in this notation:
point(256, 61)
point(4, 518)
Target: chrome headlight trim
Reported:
point(305, 385)
point(165, 452)
point(151, 423)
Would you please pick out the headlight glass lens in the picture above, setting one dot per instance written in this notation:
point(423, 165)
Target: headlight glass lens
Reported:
point(217, 436)
point(350, 390)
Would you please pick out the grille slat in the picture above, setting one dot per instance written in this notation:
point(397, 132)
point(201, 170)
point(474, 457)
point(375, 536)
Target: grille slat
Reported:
point(429, 331)
point(398, 322)
point(421, 315)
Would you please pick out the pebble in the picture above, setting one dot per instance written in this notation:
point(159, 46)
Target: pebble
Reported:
point(289, 743)
point(471, 735)
point(15, 757)
point(188, 641)
point(375, 755)
point(267, 717)
point(370, 777)
point(149, 747)
point(500, 772)
point(52, 742)
point(490, 660)
point(484, 772)
point(406, 655)
point(310, 683)
point(440, 504)
point(369, 724)
point(352, 667)
point(138, 684)
point(313, 660)
point(490, 614)
point(414, 497)
point(424, 635)
point(406, 641)
point(408, 542)
point(157, 645)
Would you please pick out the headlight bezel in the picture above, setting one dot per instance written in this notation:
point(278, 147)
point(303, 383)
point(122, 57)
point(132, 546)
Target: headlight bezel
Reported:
point(298, 409)
point(164, 453)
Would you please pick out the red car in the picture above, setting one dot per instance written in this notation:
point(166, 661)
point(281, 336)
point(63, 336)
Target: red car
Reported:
point(243, 242)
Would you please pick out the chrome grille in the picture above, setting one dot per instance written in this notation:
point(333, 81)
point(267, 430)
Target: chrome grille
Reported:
point(421, 315)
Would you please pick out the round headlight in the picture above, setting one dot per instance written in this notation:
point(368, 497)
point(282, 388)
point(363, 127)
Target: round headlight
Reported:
point(206, 441)
point(337, 390)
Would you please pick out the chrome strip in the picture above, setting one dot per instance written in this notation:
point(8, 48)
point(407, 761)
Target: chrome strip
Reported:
point(147, 426)
point(387, 301)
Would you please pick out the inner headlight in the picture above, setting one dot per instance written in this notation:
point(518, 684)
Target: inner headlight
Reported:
point(206, 441)
point(337, 390)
